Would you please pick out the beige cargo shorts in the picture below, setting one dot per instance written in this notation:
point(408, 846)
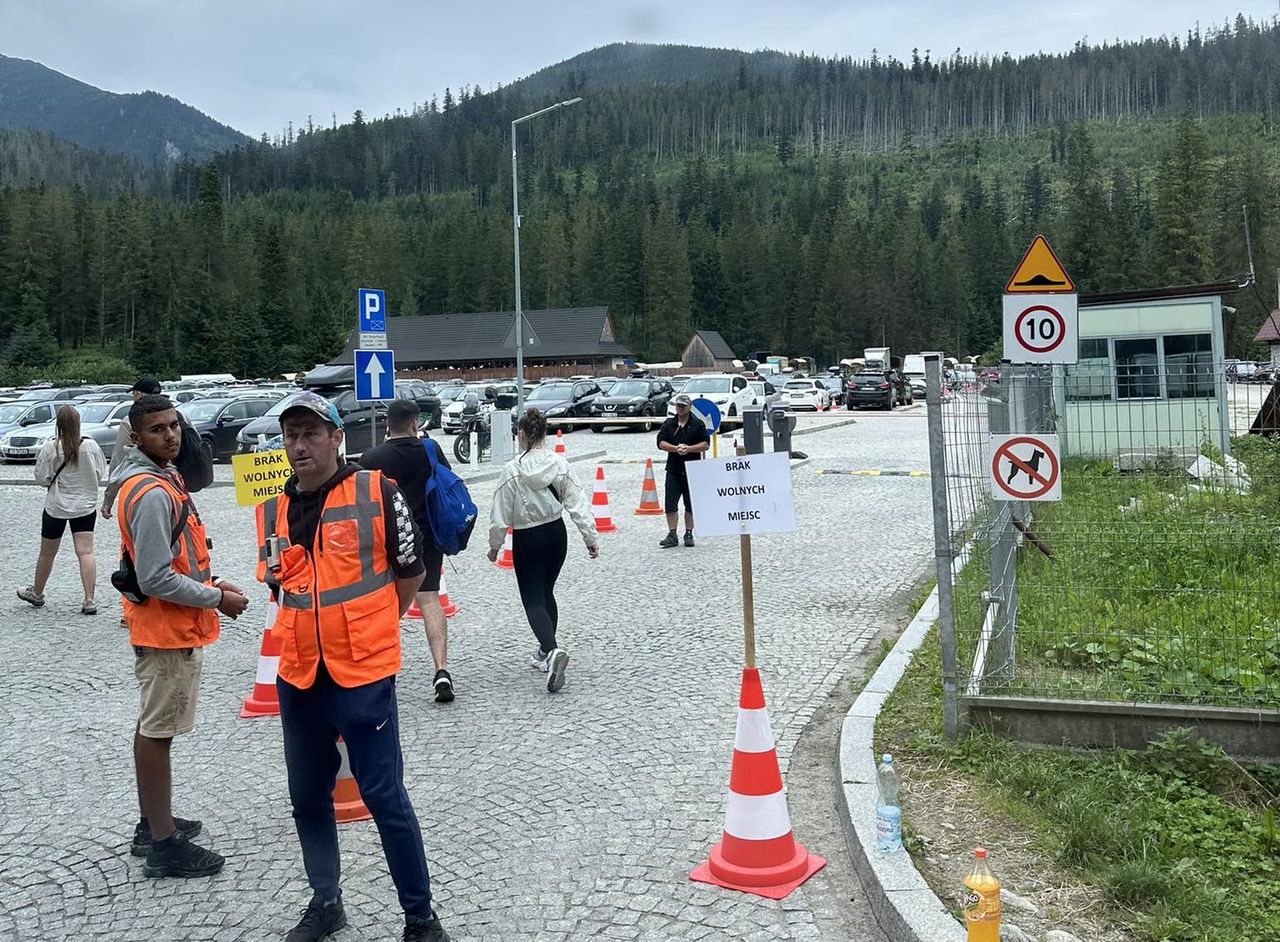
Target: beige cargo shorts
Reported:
point(167, 680)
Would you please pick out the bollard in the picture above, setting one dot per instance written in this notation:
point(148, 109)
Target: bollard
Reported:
point(753, 429)
point(781, 422)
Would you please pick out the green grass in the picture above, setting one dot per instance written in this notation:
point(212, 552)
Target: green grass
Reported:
point(1156, 591)
point(1181, 840)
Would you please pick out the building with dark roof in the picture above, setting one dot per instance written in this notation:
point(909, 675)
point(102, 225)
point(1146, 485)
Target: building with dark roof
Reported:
point(707, 350)
point(579, 337)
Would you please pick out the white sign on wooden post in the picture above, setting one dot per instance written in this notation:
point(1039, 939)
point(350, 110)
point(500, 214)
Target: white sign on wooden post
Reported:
point(741, 495)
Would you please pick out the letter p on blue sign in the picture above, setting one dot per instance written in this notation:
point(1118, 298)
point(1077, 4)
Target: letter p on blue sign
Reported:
point(372, 305)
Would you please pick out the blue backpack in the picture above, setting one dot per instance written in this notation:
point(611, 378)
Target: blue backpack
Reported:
point(449, 505)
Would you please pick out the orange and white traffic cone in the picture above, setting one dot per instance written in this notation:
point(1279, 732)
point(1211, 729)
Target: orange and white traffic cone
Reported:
point(413, 611)
point(560, 442)
point(347, 803)
point(449, 608)
point(649, 505)
point(506, 559)
point(600, 505)
point(263, 701)
point(758, 854)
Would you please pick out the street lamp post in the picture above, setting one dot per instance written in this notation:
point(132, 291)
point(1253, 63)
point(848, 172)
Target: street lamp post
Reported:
point(515, 222)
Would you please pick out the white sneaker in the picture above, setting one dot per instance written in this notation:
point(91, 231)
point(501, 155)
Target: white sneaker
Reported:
point(557, 661)
point(538, 660)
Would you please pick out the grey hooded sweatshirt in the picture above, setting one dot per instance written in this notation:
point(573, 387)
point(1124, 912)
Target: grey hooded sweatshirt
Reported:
point(151, 522)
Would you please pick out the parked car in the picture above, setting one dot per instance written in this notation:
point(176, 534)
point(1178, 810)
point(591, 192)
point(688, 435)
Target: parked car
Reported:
point(49, 393)
point(451, 418)
point(606, 383)
point(883, 388)
point(806, 395)
point(23, 413)
point(219, 421)
point(765, 394)
point(563, 400)
point(835, 386)
point(633, 398)
point(730, 393)
point(98, 420)
point(678, 381)
point(428, 402)
point(267, 424)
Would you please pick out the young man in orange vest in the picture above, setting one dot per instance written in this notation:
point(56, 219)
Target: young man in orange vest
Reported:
point(172, 616)
point(342, 556)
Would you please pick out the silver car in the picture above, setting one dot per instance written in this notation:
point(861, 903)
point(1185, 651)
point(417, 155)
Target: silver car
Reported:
point(98, 420)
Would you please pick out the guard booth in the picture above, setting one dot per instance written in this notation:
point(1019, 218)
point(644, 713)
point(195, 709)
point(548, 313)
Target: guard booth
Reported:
point(1150, 380)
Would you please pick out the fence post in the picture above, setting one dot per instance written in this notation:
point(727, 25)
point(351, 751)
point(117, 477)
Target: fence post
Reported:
point(1003, 419)
point(942, 549)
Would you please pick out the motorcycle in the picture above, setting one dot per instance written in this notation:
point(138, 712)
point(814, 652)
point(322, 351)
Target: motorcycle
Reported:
point(477, 422)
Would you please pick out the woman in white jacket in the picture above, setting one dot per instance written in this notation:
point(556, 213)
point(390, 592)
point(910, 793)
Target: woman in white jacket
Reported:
point(536, 489)
point(71, 468)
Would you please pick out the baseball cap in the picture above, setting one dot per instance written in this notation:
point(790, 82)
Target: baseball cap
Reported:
point(680, 399)
point(147, 386)
point(317, 404)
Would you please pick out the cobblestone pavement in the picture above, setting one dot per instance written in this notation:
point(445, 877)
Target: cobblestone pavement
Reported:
point(545, 818)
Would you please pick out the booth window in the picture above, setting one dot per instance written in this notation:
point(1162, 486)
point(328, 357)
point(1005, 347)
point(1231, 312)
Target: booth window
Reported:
point(1090, 379)
point(1138, 368)
point(1188, 366)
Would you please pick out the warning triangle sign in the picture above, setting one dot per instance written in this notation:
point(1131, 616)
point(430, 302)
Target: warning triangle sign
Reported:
point(1040, 272)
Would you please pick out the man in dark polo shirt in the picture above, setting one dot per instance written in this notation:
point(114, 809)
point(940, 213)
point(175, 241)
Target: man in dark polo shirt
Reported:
point(684, 438)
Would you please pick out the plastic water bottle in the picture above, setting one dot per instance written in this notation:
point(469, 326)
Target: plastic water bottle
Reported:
point(888, 813)
point(982, 901)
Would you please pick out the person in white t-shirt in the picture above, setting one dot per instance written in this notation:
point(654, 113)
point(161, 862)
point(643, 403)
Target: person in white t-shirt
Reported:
point(71, 468)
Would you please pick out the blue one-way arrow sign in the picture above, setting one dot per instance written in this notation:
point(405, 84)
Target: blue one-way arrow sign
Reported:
point(375, 375)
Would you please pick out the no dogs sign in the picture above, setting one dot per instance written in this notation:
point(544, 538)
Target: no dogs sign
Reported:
point(1025, 467)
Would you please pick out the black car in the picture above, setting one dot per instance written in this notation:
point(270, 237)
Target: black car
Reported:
point(563, 400)
point(634, 398)
point(836, 385)
point(428, 402)
point(219, 421)
point(883, 388)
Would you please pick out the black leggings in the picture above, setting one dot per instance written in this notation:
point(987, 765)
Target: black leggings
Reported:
point(538, 555)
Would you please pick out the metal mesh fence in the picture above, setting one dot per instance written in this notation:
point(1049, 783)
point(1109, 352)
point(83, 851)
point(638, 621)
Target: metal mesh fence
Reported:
point(1155, 577)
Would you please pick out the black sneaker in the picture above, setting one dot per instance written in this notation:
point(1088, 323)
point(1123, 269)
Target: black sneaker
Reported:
point(417, 929)
point(319, 920)
point(141, 845)
point(669, 541)
point(556, 664)
point(688, 537)
point(444, 686)
point(178, 857)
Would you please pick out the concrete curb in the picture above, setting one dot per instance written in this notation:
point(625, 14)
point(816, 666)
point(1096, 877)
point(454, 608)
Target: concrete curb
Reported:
point(904, 905)
point(824, 428)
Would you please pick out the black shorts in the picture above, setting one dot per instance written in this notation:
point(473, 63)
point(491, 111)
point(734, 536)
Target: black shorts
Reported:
point(433, 559)
point(52, 528)
point(677, 487)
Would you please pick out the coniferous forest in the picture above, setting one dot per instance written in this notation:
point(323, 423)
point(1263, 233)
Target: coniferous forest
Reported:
point(795, 204)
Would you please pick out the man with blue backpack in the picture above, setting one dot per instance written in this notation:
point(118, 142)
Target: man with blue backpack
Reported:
point(419, 467)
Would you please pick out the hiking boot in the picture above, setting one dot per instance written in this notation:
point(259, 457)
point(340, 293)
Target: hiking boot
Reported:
point(142, 834)
point(538, 659)
point(669, 540)
point(89, 608)
point(444, 686)
point(31, 596)
point(176, 856)
point(557, 661)
point(319, 920)
point(418, 929)
point(688, 537)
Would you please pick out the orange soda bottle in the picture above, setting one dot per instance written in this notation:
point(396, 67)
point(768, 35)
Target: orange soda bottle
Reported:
point(982, 901)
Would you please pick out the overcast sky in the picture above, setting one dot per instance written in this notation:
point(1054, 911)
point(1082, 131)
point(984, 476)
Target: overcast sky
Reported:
point(257, 65)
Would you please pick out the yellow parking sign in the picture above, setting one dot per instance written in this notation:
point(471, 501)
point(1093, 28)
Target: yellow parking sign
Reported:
point(259, 476)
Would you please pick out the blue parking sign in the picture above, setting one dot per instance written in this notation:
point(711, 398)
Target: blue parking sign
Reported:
point(371, 306)
point(375, 375)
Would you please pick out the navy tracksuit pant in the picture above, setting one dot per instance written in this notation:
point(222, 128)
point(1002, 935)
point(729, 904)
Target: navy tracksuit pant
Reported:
point(368, 721)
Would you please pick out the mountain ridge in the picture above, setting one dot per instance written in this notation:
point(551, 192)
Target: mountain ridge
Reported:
point(149, 125)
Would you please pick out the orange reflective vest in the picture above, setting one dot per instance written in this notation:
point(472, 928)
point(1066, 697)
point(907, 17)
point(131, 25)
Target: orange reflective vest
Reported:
point(338, 598)
point(156, 623)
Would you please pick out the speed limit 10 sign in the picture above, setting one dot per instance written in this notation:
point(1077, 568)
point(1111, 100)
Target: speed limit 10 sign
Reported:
point(1041, 328)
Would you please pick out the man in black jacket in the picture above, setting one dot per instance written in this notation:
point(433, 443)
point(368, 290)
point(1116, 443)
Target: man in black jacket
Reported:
point(684, 438)
point(403, 458)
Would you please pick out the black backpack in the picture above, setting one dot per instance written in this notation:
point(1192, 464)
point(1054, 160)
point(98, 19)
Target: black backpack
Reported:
point(193, 462)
